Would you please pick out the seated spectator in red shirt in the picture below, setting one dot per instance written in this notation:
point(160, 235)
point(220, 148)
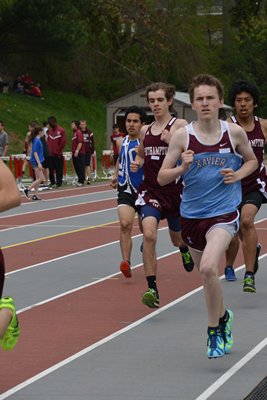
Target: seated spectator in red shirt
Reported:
point(26, 79)
point(35, 90)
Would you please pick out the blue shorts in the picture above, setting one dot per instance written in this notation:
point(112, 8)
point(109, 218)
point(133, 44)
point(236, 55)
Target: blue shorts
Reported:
point(149, 211)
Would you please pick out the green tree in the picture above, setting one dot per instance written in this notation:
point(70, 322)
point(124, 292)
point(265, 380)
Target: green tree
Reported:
point(40, 27)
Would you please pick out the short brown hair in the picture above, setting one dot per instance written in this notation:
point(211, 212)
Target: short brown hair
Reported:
point(205, 79)
point(169, 90)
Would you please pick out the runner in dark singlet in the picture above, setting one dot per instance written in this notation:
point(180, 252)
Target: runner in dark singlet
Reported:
point(155, 202)
point(245, 98)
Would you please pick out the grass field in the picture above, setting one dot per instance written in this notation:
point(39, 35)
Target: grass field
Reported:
point(17, 110)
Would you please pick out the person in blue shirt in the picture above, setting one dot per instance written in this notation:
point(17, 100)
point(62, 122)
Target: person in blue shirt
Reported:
point(128, 182)
point(36, 160)
point(212, 170)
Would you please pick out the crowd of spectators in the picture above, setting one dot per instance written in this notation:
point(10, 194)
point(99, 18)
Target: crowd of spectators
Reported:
point(53, 142)
point(24, 84)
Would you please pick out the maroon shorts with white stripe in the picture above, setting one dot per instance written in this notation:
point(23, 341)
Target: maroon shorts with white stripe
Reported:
point(194, 231)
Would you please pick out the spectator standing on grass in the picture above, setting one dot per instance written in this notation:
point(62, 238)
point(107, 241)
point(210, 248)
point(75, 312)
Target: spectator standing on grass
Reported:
point(28, 145)
point(56, 140)
point(36, 160)
point(78, 153)
point(89, 148)
point(46, 151)
point(116, 135)
point(3, 140)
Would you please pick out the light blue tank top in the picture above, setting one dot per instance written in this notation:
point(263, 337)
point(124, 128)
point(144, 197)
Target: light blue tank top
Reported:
point(205, 194)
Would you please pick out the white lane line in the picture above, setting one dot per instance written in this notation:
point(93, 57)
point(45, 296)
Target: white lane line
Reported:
point(111, 276)
point(57, 219)
point(95, 281)
point(77, 253)
point(235, 368)
point(215, 386)
point(205, 395)
point(55, 208)
point(94, 346)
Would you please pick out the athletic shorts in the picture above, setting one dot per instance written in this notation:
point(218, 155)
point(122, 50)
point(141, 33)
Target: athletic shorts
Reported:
point(149, 211)
point(87, 159)
point(256, 198)
point(194, 231)
point(166, 200)
point(127, 199)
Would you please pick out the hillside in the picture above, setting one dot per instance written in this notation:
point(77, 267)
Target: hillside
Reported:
point(17, 110)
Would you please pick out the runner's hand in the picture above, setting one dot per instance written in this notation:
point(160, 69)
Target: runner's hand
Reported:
point(187, 159)
point(229, 176)
point(113, 182)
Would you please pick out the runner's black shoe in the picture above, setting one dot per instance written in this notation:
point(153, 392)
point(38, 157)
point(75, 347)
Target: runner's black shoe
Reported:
point(256, 265)
point(188, 261)
point(249, 284)
point(150, 298)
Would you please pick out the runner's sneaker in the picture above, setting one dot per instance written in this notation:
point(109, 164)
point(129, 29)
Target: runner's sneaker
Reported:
point(188, 262)
point(125, 269)
point(256, 265)
point(215, 344)
point(226, 330)
point(34, 197)
point(229, 273)
point(26, 193)
point(249, 284)
point(10, 338)
point(151, 298)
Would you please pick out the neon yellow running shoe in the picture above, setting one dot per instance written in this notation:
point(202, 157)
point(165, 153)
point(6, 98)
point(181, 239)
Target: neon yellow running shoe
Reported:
point(11, 336)
point(151, 298)
point(188, 261)
point(249, 284)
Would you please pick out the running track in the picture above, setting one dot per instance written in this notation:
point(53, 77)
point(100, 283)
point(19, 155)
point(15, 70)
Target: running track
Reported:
point(62, 258)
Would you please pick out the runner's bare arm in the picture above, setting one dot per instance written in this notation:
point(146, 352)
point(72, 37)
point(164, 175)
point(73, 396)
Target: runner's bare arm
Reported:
point(139, 159)
point(167, 134)
point(9, 193)
point(242, 146)
point(263, 123)
point(169, 170)
point(114, 179)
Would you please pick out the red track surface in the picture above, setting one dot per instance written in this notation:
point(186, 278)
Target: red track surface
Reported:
point(62, 327)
